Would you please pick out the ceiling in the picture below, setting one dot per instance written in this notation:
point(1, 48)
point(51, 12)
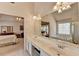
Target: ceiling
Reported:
point(42, 8)
point(70, 14)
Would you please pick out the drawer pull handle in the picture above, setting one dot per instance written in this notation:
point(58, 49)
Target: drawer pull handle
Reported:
point(58, 54)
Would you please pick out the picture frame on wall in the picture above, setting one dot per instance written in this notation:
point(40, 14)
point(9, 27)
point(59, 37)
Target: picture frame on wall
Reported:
point(6, 29)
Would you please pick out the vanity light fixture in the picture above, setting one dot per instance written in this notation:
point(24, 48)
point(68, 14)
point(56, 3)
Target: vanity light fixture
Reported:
point(18, 18)
point(60, 6)
point(38, 17)
point(34, 17)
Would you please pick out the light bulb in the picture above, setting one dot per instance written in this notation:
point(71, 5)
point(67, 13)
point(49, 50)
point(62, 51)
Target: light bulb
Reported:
point(38, 17)
point(59, 11)
point(17, 18)
point(55, 7)
point(34, 17)
point(68, 6)
point(64, 8)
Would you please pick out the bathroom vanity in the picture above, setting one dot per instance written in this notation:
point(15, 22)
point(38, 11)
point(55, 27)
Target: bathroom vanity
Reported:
point(43, 46)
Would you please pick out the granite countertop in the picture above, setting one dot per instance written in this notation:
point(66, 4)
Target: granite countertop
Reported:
point(55, 47)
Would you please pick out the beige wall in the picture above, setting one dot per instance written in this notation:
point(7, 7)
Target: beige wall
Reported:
point(37, 27)
point(42, 8)
point(76, 32)
point(49, 18)
point(6, 20)
point(78, 10)
point(20, 9)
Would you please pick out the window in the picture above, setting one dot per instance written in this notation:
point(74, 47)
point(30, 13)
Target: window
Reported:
point(63, 28)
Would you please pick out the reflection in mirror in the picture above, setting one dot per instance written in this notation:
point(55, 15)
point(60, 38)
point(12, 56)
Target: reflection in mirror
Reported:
point(45, 29)
point(65, 30)
point(75, 34)
point(64, 26)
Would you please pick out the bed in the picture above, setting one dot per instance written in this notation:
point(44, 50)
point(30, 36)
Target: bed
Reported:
point(8, 40)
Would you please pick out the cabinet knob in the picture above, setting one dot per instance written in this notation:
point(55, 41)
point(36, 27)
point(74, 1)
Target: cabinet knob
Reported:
point(58, 54)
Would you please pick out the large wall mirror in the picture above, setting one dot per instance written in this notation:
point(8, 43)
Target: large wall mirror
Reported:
point(63, 26)
point(45, 28)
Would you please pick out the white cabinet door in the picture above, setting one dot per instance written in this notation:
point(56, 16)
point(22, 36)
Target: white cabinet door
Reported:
point(43, 53)
point(29, 47)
